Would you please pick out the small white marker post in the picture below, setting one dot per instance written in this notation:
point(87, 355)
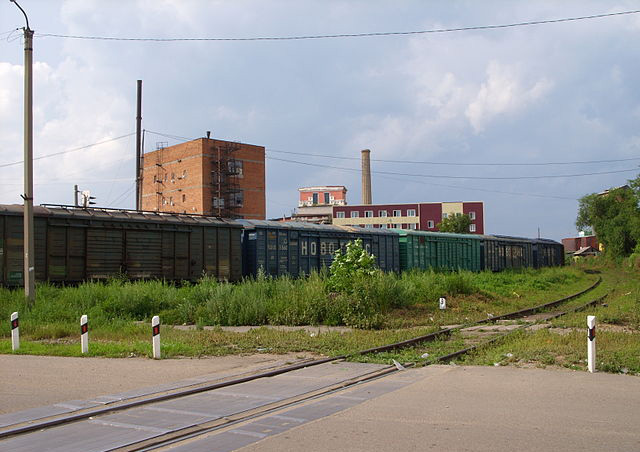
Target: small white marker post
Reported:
point(443, 303)
point(84, 334)
point(591, 343)
point(155, 327)
point(15, 332)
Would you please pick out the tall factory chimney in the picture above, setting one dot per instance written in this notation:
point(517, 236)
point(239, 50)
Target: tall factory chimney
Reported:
point(366, 177)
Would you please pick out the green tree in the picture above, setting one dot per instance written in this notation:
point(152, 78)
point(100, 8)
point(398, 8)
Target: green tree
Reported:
point(614, 217)
point(455, 223)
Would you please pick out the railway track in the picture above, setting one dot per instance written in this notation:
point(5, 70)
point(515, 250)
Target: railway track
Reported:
point(171, 418)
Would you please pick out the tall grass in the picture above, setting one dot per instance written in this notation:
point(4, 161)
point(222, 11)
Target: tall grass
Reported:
point(260, 301)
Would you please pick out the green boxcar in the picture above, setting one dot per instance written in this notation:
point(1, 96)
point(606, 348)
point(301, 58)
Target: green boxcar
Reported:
point(298, 248)
point(73, 245)
point(424, 250)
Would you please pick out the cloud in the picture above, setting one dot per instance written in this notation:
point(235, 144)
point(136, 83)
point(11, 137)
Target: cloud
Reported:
point(502, 94)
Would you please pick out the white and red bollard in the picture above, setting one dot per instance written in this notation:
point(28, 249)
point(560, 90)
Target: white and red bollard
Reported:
point(15, 332)
point(591, 343)
point(84, 334)
point(155, 328)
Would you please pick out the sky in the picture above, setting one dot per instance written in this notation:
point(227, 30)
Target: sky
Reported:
point(449, 109)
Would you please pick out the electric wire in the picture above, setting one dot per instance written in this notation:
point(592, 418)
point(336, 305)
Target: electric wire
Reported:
point(125, 193)
point(5, 165)
point(426, 162)
point(442, 176)
point(349, 35)
point(166, 135)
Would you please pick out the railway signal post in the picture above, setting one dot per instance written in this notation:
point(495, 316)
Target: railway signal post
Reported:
point(15, 332)
point(591, 343)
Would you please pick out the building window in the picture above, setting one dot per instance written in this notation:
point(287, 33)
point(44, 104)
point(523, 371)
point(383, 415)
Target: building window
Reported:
point(368, 213)
point(444, 215)
point(171, 200)
point(237, 199)
point(383, 226)
point(411, 212)
point(368, 226)
point(382, 213)
point(326, 198)
point(472, 215)
point(430, 224)
point(184, 198)
point(413, 226)
point(184, 174)
point(355, 214)
point(472, 228)
point(235, 167)
point(397, 213)
point(218, 202)
point(315, 198)
point(339, 214)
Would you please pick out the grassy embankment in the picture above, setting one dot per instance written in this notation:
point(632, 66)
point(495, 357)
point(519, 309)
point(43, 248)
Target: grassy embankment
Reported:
point(564, 344)
point(383, 309)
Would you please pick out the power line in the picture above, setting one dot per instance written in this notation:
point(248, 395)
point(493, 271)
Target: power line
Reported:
point(4, 165)
point(441, 176)
point(347, 35)
point(423, 162)
point(488, 190)
point(173, 137)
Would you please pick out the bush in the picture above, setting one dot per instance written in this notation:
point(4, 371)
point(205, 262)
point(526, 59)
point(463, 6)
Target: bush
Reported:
point(355, 261)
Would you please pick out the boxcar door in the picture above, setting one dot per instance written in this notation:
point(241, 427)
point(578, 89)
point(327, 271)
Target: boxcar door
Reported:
point(143, 252)
point(104, 252)
point(57, 255)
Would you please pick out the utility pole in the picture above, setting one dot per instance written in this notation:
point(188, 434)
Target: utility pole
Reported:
point(75, 196)
point(139, 148)
point(29, 249)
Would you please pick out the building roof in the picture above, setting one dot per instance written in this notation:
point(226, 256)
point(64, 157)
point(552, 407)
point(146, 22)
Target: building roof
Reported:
point(410, 203)
point(323, 187)
point(100, 213)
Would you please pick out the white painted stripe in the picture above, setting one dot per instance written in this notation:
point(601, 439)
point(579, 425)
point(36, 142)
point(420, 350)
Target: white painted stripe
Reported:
point(191, 413)
point(247, 433)
point(144, 428)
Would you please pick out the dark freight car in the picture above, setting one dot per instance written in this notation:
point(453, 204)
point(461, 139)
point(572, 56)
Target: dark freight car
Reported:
point(502, 252)
point(78, 244)
point(298, 248)
point(424, 250)
point(547, 253)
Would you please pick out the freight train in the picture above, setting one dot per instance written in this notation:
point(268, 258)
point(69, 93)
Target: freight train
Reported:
point(76, 244)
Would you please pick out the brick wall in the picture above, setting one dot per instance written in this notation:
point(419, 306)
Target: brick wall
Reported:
point(183, 181)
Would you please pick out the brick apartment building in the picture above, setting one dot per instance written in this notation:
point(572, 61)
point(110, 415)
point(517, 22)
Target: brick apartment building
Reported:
point(422, 216)
point(330, 195)
point(206, 176)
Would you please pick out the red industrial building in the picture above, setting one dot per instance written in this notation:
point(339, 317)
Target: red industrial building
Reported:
point(573, 244)
point(206, 176)
point(422, 216)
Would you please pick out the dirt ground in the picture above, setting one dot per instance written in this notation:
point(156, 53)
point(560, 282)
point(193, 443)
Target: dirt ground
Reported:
point(33, 381)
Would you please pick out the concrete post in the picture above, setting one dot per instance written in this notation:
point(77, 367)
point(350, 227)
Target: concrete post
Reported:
point(591, 343)
point(443, 303)
point(155, 327)
point(15, 332)
point(84, 334)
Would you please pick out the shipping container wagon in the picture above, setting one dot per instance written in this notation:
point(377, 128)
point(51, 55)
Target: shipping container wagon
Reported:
point(503, 252)
point(74, 244)
point(439, 250)
point(298, 248)
point(547, 253)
